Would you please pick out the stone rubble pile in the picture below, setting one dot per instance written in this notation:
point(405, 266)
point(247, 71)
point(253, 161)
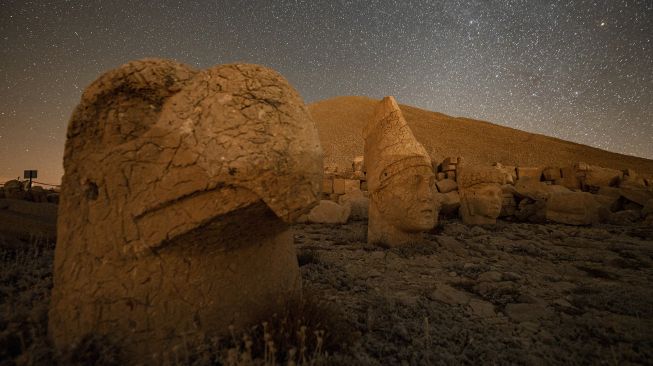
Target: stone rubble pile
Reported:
point(578, 194)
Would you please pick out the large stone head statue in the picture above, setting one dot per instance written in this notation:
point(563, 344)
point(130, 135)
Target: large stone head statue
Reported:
point(480, 194)
point(400, 179)
point(178, 188)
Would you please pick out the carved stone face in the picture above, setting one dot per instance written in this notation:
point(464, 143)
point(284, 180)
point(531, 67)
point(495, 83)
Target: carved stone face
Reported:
point(407, 200)
point(483, 200)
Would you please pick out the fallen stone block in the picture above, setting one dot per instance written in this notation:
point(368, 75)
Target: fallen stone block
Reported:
point(596, 176)
point(573, 208)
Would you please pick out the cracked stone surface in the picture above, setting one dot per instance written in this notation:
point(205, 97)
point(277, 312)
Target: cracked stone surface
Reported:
point(178, 190)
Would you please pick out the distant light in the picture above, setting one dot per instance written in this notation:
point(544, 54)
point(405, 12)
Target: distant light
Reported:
point(602, 24)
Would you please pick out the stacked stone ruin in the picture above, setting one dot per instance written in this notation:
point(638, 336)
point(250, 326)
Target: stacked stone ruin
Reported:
point(578, 194)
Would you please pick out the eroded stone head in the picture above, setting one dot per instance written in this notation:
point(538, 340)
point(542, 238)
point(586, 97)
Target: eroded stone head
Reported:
point(400, 179)
point(178, 188)
point(160, 143)
point(480, 194)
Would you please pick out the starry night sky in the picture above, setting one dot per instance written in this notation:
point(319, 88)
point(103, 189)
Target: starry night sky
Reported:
point(576, 70)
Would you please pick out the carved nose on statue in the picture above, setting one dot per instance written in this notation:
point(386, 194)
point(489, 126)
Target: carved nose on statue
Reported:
point(423, 191)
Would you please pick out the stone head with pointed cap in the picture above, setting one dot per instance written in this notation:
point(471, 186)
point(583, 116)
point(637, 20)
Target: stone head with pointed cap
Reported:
point(400, 179)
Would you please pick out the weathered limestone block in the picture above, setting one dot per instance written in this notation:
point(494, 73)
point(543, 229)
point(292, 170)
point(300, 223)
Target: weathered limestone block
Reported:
point(569, 178)
point(327, 185)
point(450, 161)
point(178, 189)
point(400, 179)
point(596, 176)
point(358, 202)
point(339, 186)
point(535, 189)
point(342, 186)
point(573, 208)
point(446, 185)
point(481, 197)
point(352, 185)
point(329, 212)
point(529, 172)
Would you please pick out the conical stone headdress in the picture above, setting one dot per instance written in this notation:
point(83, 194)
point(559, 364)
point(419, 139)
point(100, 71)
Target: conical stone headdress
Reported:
point(390, 145)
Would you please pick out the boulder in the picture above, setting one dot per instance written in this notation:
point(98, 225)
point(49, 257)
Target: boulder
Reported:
point(446, 185)
point(573, 208)
point(449, 203)
point(176, 202)
point(358, 203)
point(329, 212)
point(400, 179)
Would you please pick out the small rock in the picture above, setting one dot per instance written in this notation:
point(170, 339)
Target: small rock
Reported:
point(482, 308)
point(449, 295)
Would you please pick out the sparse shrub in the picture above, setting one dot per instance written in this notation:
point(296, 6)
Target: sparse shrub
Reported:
point(307, 332)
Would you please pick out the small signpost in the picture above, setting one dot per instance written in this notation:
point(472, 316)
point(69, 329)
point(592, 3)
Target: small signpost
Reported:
point(30, 174)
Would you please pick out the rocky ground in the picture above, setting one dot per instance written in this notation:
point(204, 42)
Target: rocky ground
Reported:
point(512, 294)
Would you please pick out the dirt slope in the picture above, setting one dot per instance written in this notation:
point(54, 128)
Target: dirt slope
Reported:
point(340, 123)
